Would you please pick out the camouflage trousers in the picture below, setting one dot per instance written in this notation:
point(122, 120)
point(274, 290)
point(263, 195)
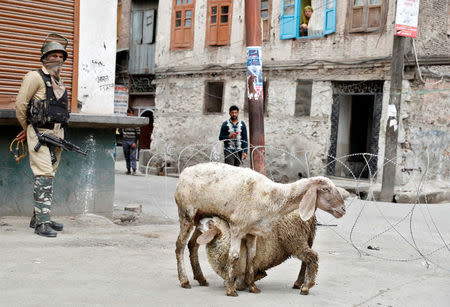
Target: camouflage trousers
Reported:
point(43, 196)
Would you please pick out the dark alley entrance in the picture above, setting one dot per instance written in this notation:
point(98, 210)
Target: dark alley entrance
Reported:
point(355, 122)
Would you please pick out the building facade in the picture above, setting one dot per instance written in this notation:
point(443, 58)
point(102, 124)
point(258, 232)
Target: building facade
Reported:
point(326, 92)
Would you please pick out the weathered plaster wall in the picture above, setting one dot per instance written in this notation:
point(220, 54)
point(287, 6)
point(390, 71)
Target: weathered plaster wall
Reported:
point(180, 121)
point(338, 46)
point(97, 56)
point(425, 139)
point(432, 36)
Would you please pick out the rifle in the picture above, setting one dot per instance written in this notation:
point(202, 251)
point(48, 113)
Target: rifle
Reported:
point(52, 141)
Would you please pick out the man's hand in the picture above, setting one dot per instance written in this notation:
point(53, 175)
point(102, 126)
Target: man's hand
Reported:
point(22, 136)
point(233, 135)
point(133, 145)
point(244, 156)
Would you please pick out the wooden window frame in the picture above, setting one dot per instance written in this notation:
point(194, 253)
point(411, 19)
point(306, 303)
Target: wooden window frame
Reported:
point(183, 8)
point(366, 8)
point(266, 24)
point(209, 37)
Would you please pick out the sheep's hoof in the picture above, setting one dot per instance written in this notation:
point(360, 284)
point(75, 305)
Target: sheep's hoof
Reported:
point(304, 291)
point(254, 289)
point(232, 293)
point(203, 283)
point(186, 285)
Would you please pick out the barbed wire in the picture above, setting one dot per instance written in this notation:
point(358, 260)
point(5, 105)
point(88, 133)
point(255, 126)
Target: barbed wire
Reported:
point(205, 152)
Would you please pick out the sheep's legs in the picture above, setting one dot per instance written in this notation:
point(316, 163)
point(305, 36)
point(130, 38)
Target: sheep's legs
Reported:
point(310, 264)
point(193, 256)
point(233, 263)
point(301, 277)
point(250, 270)
point(185, 230)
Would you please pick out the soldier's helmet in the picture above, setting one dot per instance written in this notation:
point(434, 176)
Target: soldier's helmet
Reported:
point(51, 44)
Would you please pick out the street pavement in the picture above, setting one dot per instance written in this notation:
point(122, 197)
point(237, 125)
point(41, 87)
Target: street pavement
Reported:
point(378, 254)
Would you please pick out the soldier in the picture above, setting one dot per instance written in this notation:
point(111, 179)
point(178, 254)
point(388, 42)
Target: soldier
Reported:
point(42, 106)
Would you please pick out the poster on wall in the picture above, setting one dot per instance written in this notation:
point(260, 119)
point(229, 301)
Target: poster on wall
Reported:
point(120, 100)
point(406, 18)
point(254, 73)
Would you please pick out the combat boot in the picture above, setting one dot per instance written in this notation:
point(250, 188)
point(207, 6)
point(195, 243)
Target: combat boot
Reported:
point(45, 230)
point(56, 226)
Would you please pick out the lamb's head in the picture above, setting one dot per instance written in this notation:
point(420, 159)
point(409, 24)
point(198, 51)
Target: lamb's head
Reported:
point(322, 193)
point(211, 228)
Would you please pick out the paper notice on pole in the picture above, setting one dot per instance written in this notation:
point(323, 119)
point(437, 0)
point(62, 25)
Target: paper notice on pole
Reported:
point(406, 18)
point(393, 123)
point(392, 111)
point(254, 73)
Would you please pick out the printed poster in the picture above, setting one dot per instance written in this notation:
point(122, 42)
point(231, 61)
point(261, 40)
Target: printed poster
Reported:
point(254, 73)
point(120, 100)
point(406, 18)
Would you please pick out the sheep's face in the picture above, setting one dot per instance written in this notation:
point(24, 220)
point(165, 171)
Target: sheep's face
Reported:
point(210, 229)
point(331, 198)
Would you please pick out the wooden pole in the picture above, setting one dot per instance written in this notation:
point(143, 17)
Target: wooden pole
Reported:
point(255, 84)
point(390, 152)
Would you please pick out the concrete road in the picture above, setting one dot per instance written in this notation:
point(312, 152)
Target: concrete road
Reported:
point(95, 262)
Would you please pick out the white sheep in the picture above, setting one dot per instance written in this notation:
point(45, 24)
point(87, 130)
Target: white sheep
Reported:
point(250, 203)
point(290, 236)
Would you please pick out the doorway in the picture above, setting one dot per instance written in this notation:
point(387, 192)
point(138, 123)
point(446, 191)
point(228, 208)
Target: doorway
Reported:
point(355, 123)
point(145, 138)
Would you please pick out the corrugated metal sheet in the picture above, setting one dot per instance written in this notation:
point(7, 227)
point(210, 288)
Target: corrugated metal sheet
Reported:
point(24, 26)
point(142, 47)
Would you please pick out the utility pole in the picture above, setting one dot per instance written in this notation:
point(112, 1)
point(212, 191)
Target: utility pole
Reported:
point(255, 84)
point(395, 96)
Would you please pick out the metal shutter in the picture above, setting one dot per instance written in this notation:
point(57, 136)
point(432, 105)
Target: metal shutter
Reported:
point(23, 27)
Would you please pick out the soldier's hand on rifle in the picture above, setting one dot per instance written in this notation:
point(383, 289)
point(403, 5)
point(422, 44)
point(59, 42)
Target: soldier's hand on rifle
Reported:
point(22, 136)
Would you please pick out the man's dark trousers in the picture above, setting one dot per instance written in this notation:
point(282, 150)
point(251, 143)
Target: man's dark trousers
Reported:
point(233, 158)
point(130, 154)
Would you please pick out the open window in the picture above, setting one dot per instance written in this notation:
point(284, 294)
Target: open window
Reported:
point(307, 18)
point(366, 15)
point(218, 27)
point(303, 98)
point(182, 36)
point(213, 97)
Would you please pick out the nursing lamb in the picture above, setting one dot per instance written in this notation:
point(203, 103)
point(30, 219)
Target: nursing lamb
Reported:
point(250, 203)
point(290, 237)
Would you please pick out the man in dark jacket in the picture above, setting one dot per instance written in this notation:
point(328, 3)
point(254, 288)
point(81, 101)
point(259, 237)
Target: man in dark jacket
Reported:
point(129, 145)
point(234, 134)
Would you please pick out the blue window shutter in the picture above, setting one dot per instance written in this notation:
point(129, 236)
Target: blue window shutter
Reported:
point(330, 17)
point(289, 24)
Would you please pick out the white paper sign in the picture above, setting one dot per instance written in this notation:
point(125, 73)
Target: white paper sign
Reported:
point(392, 111)
point(406, 18)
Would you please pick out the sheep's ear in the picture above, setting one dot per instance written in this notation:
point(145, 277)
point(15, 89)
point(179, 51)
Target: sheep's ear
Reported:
point(308, 203)
point(344, 193)
point(208, 236)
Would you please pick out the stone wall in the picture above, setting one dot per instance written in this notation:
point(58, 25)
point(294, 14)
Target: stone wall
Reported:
point(432, 36)
point(425, 138)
